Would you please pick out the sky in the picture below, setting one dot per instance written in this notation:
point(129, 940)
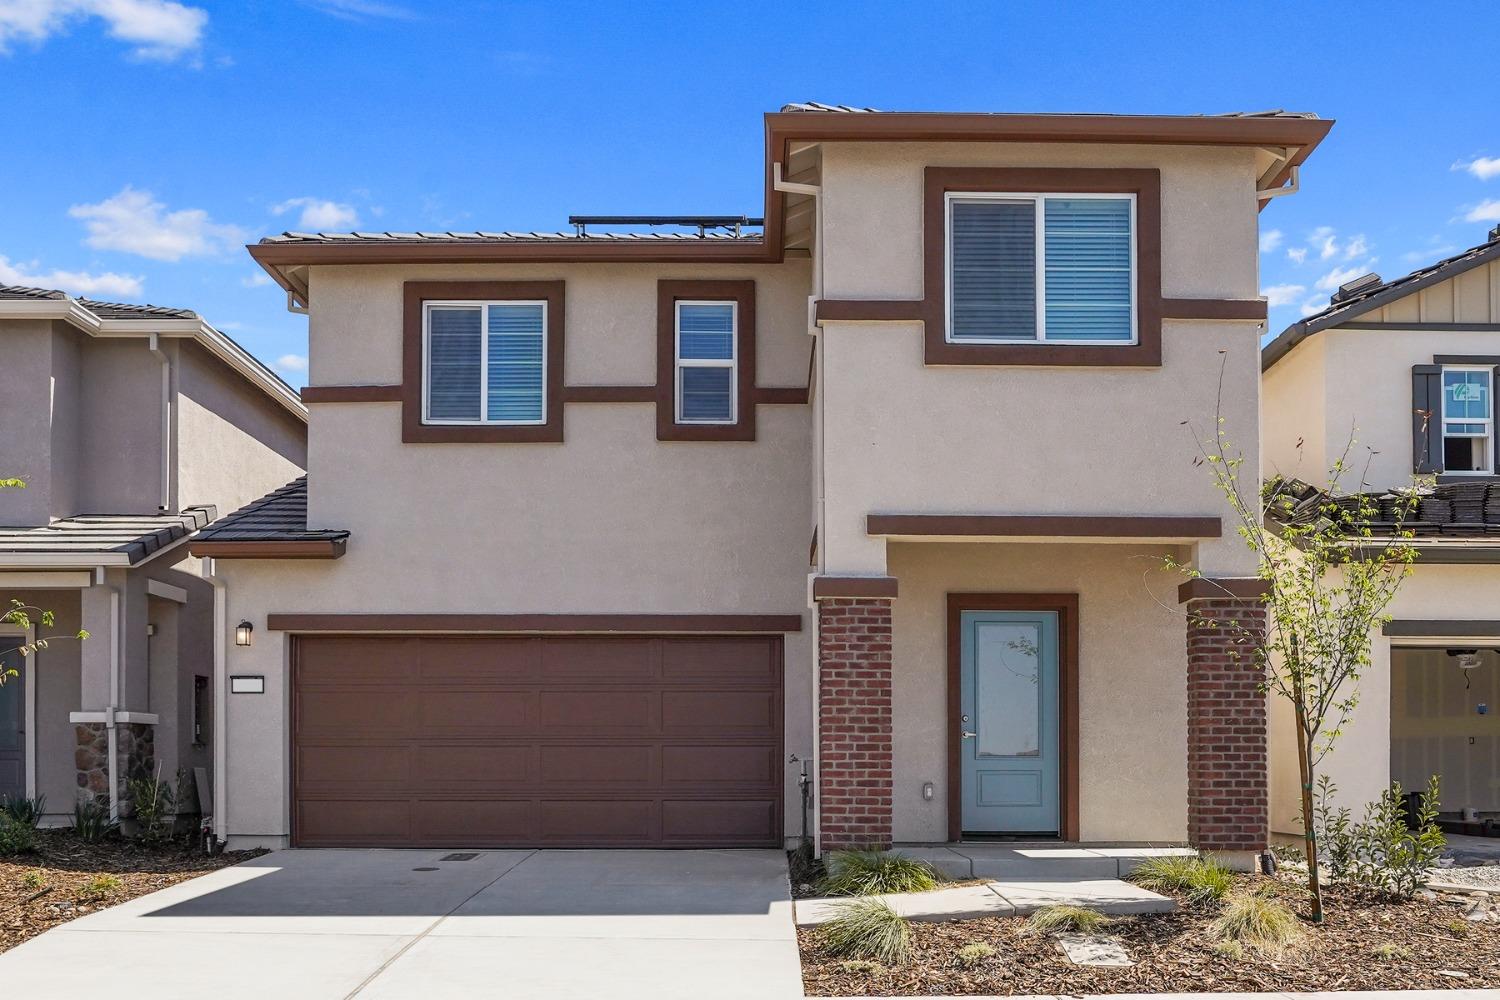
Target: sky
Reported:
point(148, 140)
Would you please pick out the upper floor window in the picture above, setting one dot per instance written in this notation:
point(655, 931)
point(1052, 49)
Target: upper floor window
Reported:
point(1045, 268)
point(484, 363)
point(706, 362)
point(1468, 421)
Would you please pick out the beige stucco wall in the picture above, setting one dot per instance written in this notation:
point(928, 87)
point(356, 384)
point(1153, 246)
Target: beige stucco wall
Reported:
point(40, 383)
point(53, 672)
point(233, 442)
point(1132, 661)
point(1360, 761)
point(1293, 414)
point(899, 437)
point(120, 459)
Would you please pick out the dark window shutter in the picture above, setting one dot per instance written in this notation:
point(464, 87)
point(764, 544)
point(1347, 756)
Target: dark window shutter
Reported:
point(1427, 419)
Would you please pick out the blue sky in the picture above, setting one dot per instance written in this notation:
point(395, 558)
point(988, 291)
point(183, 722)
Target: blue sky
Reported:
point(148, 140)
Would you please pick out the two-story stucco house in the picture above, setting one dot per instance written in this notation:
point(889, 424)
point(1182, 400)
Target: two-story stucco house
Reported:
point(605, 537)
point(1407, 369)
point(130, 426)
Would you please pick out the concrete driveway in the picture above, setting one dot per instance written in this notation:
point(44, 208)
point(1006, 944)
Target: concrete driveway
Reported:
point(393, 925)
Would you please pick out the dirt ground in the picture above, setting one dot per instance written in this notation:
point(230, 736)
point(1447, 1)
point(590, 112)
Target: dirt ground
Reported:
point(38, 891)
point(1434, 948)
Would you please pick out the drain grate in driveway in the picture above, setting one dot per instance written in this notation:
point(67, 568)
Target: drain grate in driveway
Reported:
point(458, 857)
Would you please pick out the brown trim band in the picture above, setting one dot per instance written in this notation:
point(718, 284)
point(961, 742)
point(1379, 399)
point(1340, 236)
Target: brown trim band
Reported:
point(1145, 184)
point(775, 395)
point(284, 622)
point(853, 586)
point(1226, 309)
point(1045, 525)
point(869, 311)
point(351, 394)
point(310, 549)
point(609, 394)
point(1223, 588)
point(1066, 606)
point(1432, 628)
point(742, 293)
point(414, 293)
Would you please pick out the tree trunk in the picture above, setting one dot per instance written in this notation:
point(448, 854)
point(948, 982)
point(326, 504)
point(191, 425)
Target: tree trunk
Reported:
point(1309, 834)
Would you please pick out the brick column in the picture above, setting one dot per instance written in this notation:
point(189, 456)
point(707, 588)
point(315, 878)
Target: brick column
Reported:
point(1228, 770)
point(854, 722)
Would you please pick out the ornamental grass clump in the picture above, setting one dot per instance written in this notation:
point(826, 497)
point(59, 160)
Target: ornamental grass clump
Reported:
point(1257, 922)
point(868, 929)
point(1199, 880)
point(1064, 919)
point(974, 954)
point(871, 873)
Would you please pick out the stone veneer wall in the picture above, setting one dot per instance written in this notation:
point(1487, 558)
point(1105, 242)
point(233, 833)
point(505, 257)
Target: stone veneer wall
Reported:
point(135, 748)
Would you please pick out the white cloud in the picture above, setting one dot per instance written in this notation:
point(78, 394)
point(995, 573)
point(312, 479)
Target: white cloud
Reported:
point(319, 214)
point(75, 282)
point(1430, 254)
point(259, 279)
point(1270, 240)
point(1282, 295)
point(1486, 211)
point(1314, 305)
point(135, 222)
point(158, 29)
point(291, 364)
point(1325, 241)
point(1357, 246)
point(1338, 276)
point(360, 10)
point(1483, 167)
point(1296, 254)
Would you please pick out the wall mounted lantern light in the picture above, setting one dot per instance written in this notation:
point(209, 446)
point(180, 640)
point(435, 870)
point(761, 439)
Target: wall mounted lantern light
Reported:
point(242, 633)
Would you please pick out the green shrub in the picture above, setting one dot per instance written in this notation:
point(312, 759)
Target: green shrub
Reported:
point(869, 873)
point(868, 929)
point(1458, 927)
point(24, 810)
point(1381, 853)
point(1055, 919)
point(1258, 922)
point(98, 887)
point(33, 879)
point(15, 838)
point(151, 799)
point(974, 953)
point(1199, 880)
point(91, 820)
point(1389, 952)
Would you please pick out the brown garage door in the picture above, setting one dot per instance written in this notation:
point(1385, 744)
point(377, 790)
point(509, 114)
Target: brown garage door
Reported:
point(558, 741)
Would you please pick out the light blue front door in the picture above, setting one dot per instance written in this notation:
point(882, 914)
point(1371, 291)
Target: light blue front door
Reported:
point(1009, 747)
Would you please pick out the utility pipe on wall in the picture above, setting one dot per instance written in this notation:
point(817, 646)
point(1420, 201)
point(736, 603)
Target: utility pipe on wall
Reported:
point(154, 346)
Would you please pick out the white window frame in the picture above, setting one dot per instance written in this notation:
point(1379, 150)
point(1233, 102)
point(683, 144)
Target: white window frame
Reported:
point(733, 364)
point(484, 360)
point(1488, 422)
point(1038, 199)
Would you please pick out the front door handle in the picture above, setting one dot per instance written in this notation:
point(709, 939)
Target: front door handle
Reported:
point(970, 736)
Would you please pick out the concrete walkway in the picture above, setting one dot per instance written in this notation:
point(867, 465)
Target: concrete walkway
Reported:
point(1001, 899)
point(393, 925)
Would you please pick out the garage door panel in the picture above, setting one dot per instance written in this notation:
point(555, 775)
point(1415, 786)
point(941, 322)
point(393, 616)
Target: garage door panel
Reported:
point(712, 765)
point(476, 713)
point(484, 660)
point(599, 659)
point(636, 766)
point(577, 741)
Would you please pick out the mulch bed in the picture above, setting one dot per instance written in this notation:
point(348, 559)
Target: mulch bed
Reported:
point(1174, 953)
point(64, 865)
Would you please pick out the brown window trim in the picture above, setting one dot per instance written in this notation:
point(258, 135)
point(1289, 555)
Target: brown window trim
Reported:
point(1066, 606)
point(1144, 184)
point(824, 587)
point(668, 292)
point(413, 430)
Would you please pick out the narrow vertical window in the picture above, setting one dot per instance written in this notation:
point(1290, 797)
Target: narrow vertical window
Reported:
point(1468, 421)
point(706, 362)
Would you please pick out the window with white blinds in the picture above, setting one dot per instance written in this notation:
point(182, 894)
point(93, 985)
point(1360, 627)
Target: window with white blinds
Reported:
point(484, 363)
point(1058, 268)
point(706, 362)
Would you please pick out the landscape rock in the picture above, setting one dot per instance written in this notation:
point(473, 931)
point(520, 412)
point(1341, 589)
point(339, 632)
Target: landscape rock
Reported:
point(1095, 950)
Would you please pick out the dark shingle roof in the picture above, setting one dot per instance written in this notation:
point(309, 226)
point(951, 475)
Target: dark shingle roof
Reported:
point(126, 310)
point(1378, 295)
point(279, 516)
point(1444, 510)
point(27, 292)
point(135, 536)
point(851, 110)
point(509, 237)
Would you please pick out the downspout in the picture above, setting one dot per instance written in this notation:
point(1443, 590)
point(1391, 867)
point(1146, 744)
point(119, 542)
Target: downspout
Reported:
point(154, 346)
point(221, 701)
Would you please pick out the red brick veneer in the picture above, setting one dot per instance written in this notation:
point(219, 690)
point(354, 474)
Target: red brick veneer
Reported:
point(854, 722)
point(1228, 796)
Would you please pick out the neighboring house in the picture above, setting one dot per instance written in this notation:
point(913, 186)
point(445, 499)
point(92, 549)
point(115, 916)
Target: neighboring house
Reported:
point(1407, 369)
point(131, 425)
point(607, 535)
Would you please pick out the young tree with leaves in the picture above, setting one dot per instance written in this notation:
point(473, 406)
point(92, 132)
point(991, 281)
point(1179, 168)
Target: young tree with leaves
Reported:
point(1331, 569)
point(29, 617)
